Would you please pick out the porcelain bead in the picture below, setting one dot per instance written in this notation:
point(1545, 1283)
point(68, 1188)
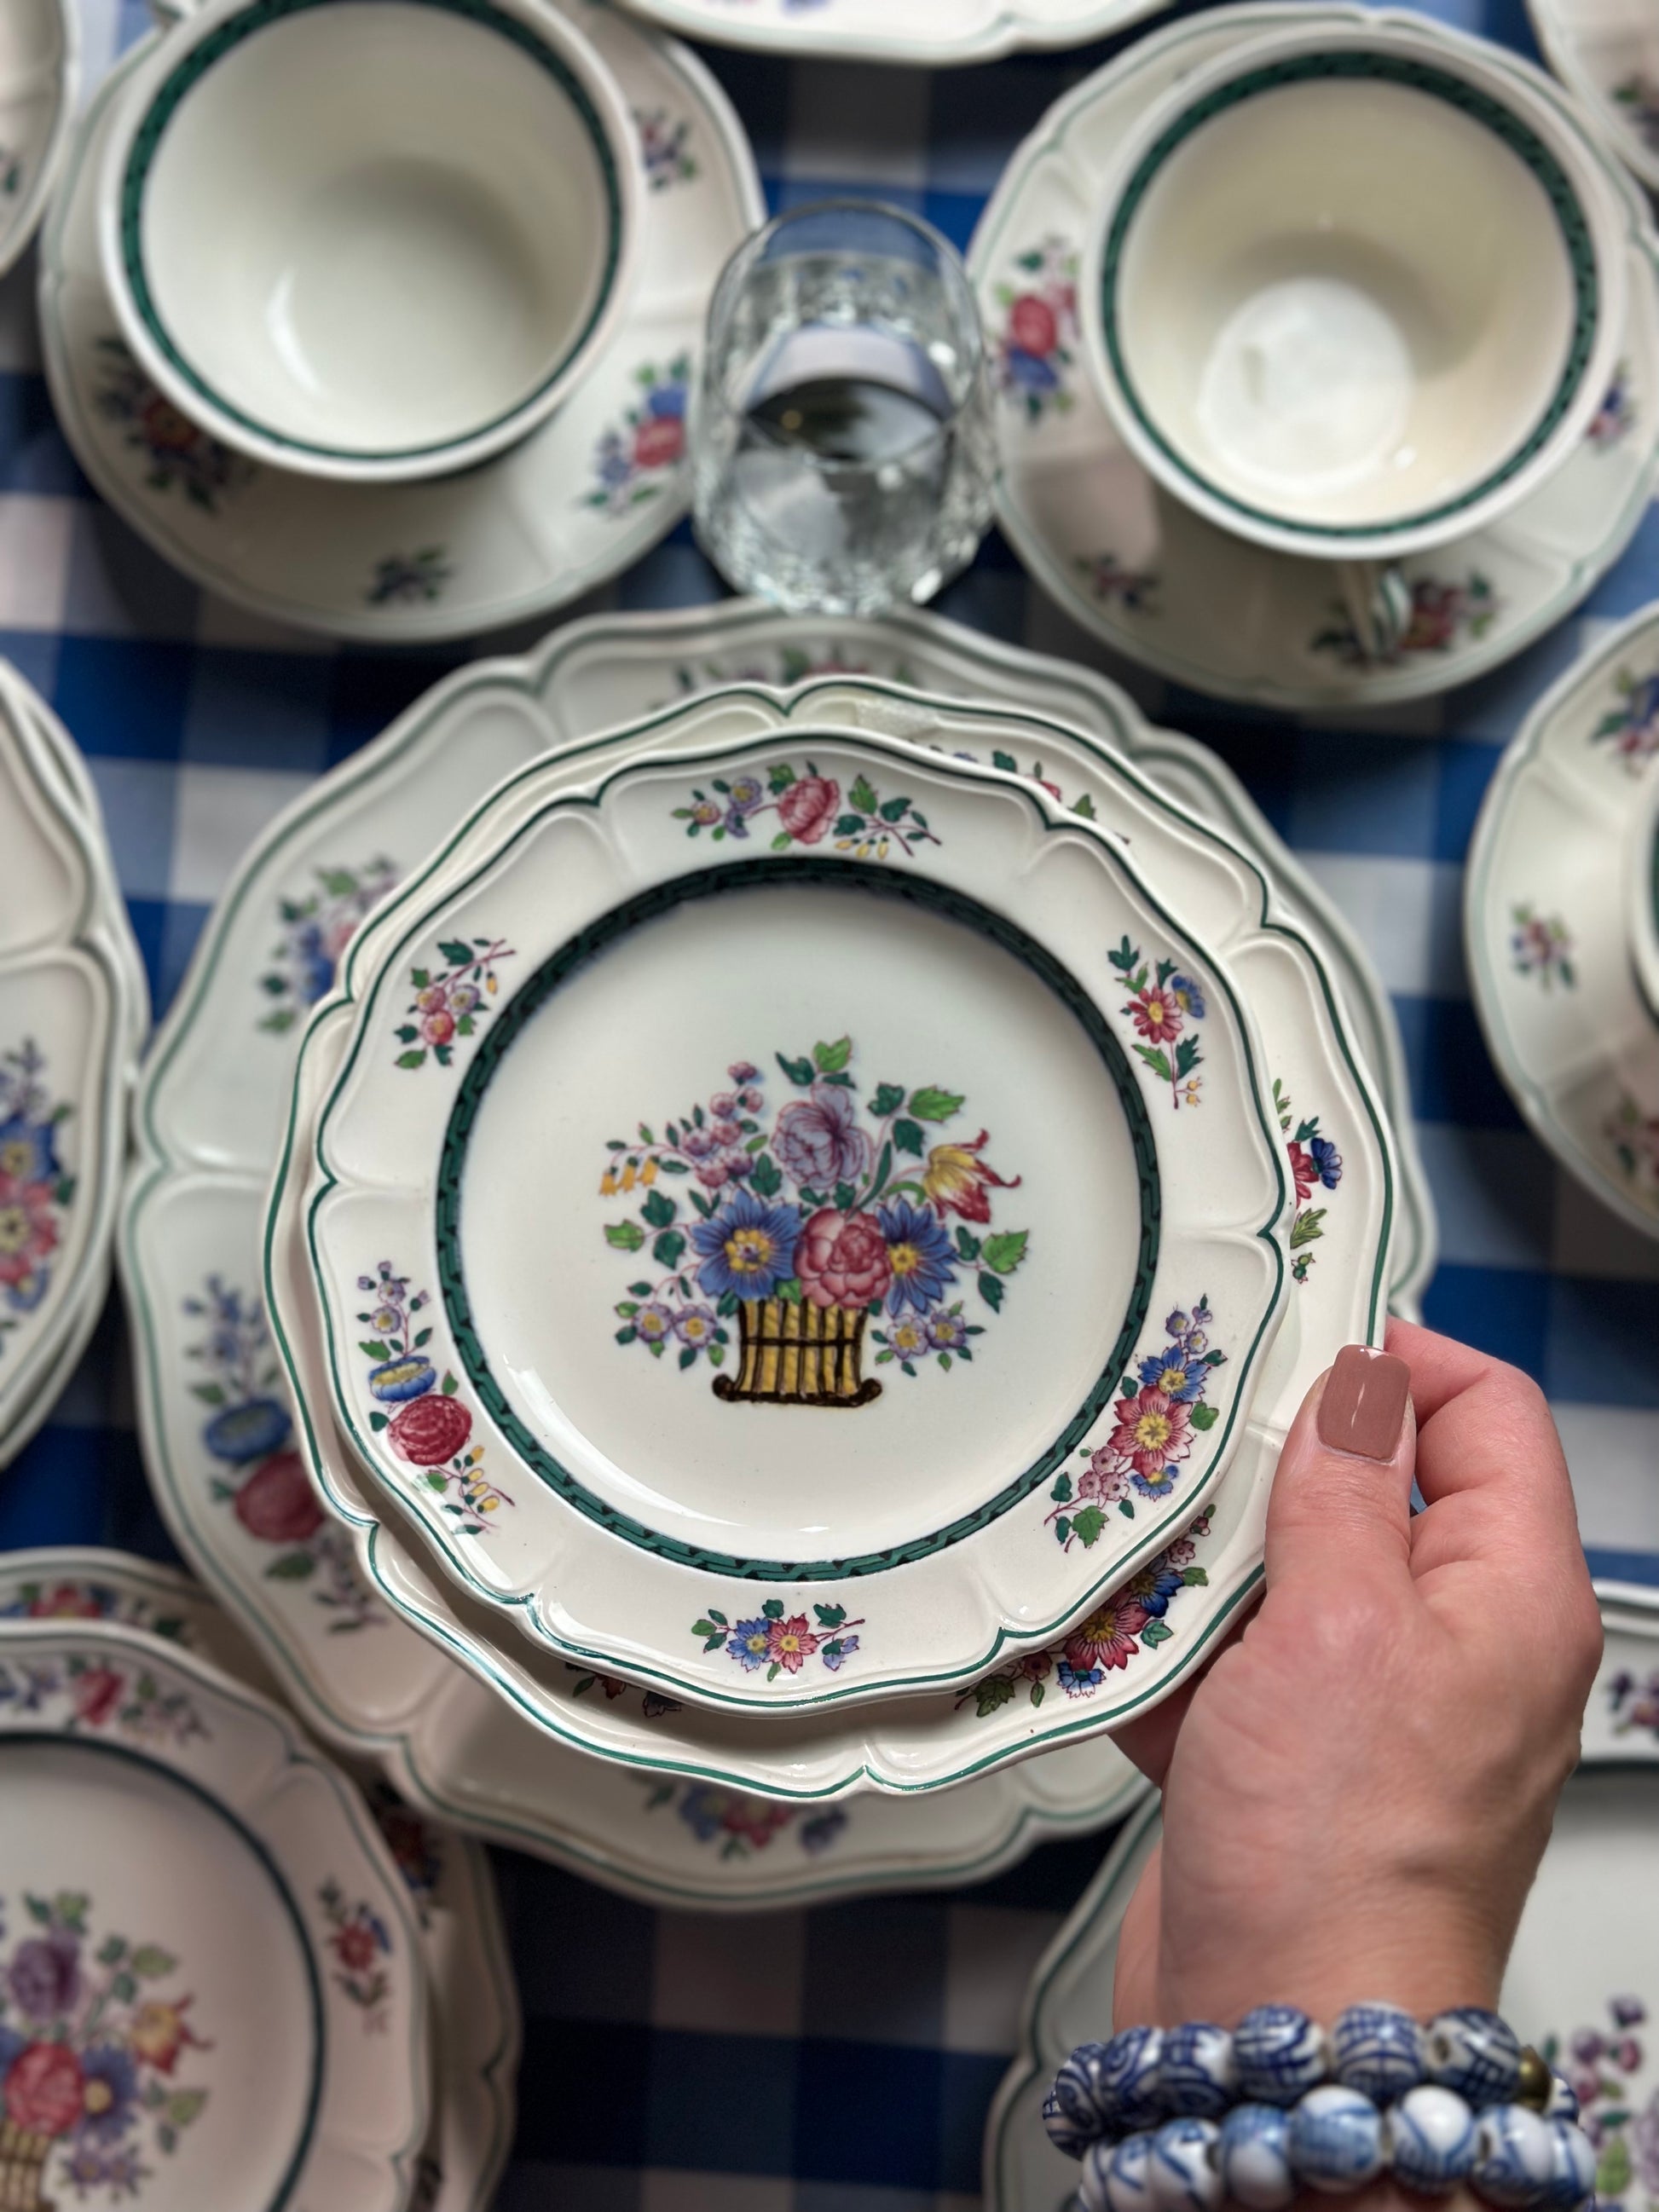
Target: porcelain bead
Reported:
point(1515, 2155)
point(1377, 2049)
point(1186, 2168)
point(1196, 2072)
point(1572, 2166)
point(1563, 2103)
point(1076, 2111)
point(1092, 2182)
point(1431, 2135)
point(1473, 2051)
point(1279, 2052)
point(1128, 2076)
point(1255, 2157)
point(1335, 2139)
point(1125, 2174)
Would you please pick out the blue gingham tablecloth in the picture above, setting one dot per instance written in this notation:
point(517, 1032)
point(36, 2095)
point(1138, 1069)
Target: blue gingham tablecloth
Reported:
point(839, 2060)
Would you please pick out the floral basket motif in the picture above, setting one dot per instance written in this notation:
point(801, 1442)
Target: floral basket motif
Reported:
point(822, 1227)
point(22, 2165)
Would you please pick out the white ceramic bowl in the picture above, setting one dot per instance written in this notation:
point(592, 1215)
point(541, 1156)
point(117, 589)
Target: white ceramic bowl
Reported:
point(1354, 292)
point(370, 238)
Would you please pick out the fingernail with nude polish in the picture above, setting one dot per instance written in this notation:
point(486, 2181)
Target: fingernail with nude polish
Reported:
point(1364, 1405)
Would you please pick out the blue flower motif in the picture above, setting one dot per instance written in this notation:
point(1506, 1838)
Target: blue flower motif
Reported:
point(1077, 1681)
point(1189, 995)
point(27, 1292)
point(1154, 1585)
point(920, 1254)
point(1327, 1160)
point(751, 1642)
point(702, 1811)
point(666, 399)
point(820, 1832)
point(1160, 1485)
point(248, 1431)
point(846, 1646)
point(315, 968)
point(747, 1247)
point(29, 1150)
point(110, 2091)
point(1029, 371)
point(412, 1374)
point(1177, 1373)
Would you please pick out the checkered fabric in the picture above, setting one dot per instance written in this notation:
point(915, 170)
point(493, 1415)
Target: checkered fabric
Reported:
point(838, 2060)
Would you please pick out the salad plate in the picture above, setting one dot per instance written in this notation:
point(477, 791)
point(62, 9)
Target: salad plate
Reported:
point(577, 502)
point(39, 76)
point(211, 1963)
point(208, 1129)
point(1545, 920)
point(474, 2009)
point(913, 32)
point(795, 1236)
point(72, 1016)
point(1142, 573)
point(1607, 52)
point(1583, 1983)
point(1130, 1651)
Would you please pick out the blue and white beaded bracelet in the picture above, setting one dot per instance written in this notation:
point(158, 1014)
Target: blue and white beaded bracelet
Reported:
point(1183, 2119)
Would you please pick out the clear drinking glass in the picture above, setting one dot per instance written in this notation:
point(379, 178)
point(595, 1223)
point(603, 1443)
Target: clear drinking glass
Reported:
point(841, 446)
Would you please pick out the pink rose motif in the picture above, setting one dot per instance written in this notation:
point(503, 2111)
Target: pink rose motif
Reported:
point(1033, 326)
point(806, 808)
point(818, 1140)
point(659, 441)
point(44, 2089)
point(277, 1503)
point(97, 1693)
point(438, 1027)
point(841, 1259)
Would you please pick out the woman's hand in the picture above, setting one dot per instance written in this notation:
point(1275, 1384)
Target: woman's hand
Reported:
point(1359, 1790)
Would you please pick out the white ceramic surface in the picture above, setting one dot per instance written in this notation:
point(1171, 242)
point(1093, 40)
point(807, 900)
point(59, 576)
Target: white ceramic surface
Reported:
point(1607, 52)
point(73, 1014)
point(40, 77)
point(1289, 334)
point(1640, 889)
point(474, 2005)
point(1547, 929)
point(207, 1132)
point(916, 31)
point(1104, 1672)
point(1141, 572)
point(212, 1960)
point(1583, 1983)
point(370, 242)
point(597, 946)
point(573, 504)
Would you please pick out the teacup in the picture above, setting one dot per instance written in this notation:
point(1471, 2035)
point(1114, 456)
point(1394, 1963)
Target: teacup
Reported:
point(1356, 291)
point(370, 238)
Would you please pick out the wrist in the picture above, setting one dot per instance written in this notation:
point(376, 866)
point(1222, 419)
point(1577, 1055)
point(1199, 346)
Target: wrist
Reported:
point(1404, 1955)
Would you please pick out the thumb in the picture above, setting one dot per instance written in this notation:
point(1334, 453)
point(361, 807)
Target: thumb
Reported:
point(1341, 1499)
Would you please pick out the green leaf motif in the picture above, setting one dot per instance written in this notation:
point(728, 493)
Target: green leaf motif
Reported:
point(800, 1072)
point(781, 776)
point(1155, 1060)
point(211, 1394)
point(990, 1289)
point(863, 796)
point(1157, 1631)
point(1004, 1253)
point(772, 1608)
point(908, 1138)
point(292, 1567)
point(990, 1695)
point(658, 1210)
point(458, 954)
point(894, 810)
point(150, 1962)
point(411, 1060)
point(371, 1350)
point(830, 1059)
point(1306, 1229)
point(968, 1246)
point(1087, 1525)
point(830, 1616)
point(930, 1104)
point(625, 1236)
point(1205, 1416)
point(667, 1249)
point(889, 1097)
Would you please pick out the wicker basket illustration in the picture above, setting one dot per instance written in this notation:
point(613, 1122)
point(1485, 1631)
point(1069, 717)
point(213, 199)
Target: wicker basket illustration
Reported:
point(22, 2163)
point(796, 1353)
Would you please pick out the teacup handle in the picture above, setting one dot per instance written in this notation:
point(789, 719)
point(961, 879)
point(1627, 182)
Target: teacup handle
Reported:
point(1378, 600)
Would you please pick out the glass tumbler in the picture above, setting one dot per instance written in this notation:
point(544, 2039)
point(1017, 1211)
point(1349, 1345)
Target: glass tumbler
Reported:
point(842, 447)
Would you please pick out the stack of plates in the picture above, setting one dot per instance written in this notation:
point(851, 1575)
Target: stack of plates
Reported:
point(74, 1015)
point(801, 1229)
point(220, 1951)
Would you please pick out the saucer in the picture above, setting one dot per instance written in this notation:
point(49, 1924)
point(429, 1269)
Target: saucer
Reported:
point(1545, 923)
point(752, 939)
point(40, 77)
point(1602, 53)
point(1077, 1687)
point(1583, 1984)
point(1144, 573)
point(912, 32)
point(212, 1961)
point(576, 502)
point(451, 1891)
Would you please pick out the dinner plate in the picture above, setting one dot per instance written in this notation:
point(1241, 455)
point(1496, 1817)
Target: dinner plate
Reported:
point(1544, 922)
point(701, 1047)
point(1143, 574)
point(1583, 1983)
point(72, 1017)
point(210, 1961)
point(911, 31)
point(1607, 52)
point(576, 502)
point(1079, 1687)
point(451, 1891)
point(39, 76)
